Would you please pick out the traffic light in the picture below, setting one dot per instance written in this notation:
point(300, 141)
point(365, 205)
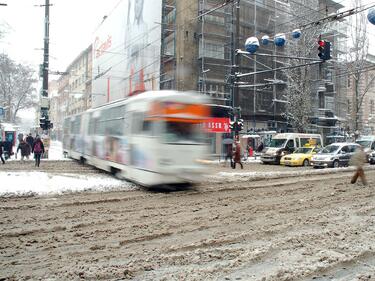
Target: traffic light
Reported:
point(42, 122)
point(236, 126)
point(324, 50)
point(45, 124)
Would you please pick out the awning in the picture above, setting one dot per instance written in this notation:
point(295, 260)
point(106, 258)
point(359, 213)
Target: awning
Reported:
point(250, 136)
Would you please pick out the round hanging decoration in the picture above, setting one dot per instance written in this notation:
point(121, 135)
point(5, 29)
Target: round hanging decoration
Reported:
point(265, 40)
point(296, 33)
point(252, 44)
point(371, 16)
point(280, 39)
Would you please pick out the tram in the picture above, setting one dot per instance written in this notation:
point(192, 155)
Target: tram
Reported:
point(154, 138)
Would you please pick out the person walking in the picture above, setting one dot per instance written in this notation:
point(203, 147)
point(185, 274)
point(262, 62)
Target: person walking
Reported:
point(30, 140)
point(25, 150)
point(358, 160)
point(229, 155)
point(1, 151)
point(38, 150)
point(237, 156)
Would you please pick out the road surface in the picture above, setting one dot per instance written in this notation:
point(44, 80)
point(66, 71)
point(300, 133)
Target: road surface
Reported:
point(299, 227)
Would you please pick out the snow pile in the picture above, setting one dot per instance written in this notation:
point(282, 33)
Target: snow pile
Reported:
point(40, 183)
point(244, 176)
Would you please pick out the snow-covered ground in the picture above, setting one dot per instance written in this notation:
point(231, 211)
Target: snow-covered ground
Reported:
point(24, 183)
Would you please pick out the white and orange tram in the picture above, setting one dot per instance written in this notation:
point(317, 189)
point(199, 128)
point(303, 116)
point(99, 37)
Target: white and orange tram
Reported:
point(153, 138)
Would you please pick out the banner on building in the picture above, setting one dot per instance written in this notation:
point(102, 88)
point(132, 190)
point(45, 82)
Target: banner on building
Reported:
point(126, 51)
point(217, 125)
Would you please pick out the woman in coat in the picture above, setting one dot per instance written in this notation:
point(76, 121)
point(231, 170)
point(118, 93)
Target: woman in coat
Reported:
point(38, 150)
point(237, 156)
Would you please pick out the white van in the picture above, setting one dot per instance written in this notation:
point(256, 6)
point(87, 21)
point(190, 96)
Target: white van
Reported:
point(286, 143)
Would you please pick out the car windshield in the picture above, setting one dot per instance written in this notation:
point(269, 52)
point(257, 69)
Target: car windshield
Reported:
point(277, 143)
point(364, 143)
point(330, 149)
point(303, 150)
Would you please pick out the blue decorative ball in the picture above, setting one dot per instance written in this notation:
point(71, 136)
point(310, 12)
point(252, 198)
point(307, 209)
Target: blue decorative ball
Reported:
point(252, 44)
point(265, 40)
point(280, 39)
point(296, 33)
point(371, 16)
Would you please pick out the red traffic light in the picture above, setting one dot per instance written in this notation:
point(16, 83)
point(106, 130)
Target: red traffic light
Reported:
point(322, 43)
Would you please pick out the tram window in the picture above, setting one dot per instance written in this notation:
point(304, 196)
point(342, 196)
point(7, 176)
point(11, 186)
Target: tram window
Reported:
point(75, 125)
point(177, 131)
point(92, 126)
point(66, 126)
point(137, 121)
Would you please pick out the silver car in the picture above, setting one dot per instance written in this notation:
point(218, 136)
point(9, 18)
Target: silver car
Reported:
point(334, 155)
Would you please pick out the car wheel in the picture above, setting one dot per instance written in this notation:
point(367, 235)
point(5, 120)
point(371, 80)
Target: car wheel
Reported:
point(336, 164)
point(305, 163)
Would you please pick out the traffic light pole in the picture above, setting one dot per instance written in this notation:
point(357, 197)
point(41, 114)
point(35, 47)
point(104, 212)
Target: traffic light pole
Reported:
point(44, 95)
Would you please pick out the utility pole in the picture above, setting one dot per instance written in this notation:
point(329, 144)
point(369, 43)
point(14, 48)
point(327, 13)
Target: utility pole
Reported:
point(235, 97)
point(44, 105)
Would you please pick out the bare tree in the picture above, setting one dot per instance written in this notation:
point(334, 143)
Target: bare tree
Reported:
point(357, 61)
point(300, 91)
point(17, 89)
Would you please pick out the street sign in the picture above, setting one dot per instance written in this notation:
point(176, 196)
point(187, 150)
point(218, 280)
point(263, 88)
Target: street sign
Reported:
point(1, 113)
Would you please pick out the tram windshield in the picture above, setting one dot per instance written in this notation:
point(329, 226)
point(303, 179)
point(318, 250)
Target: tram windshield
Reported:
point(183, 132)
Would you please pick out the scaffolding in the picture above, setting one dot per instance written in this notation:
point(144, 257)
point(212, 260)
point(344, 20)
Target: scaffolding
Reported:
point(168, 45)
point(214, 53)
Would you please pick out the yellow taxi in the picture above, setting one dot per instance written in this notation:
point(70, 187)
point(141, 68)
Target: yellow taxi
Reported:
point(300, 157)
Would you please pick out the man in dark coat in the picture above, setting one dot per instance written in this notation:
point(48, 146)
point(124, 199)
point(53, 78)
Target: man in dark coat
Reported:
point(1, 151)
point(30, 140)
point(25, 150)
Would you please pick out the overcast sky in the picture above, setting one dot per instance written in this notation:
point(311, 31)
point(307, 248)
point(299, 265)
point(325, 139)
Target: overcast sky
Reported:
point(72, 23)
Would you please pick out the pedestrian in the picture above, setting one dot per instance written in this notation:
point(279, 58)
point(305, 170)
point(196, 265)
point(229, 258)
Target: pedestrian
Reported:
point(260, 147)
point(38, 150)
point(1, 151)
point(25, 150)
point(20, 138)
point(30, 140)
point(358, 159)
point(237, 156)
point(229, 155)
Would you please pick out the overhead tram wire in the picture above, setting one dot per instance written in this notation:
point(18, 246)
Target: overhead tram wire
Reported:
point(302, 17)
point(307, 14)
point(372, 4)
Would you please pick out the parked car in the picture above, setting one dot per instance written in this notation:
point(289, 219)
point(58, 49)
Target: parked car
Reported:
point(334, 155)
point(300, 157)
point(285, 143)
point(371, 157)
point(368, 143)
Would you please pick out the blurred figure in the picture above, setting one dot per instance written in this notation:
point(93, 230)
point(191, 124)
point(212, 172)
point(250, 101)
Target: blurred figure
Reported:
point(8, 149)
point(260, 147)
point(358, 160)
point(229, 155)
point(237, 156)
point(20, 138)
point(38, 150)
point(1, 151)
point(30, 140)
point(25, 150)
